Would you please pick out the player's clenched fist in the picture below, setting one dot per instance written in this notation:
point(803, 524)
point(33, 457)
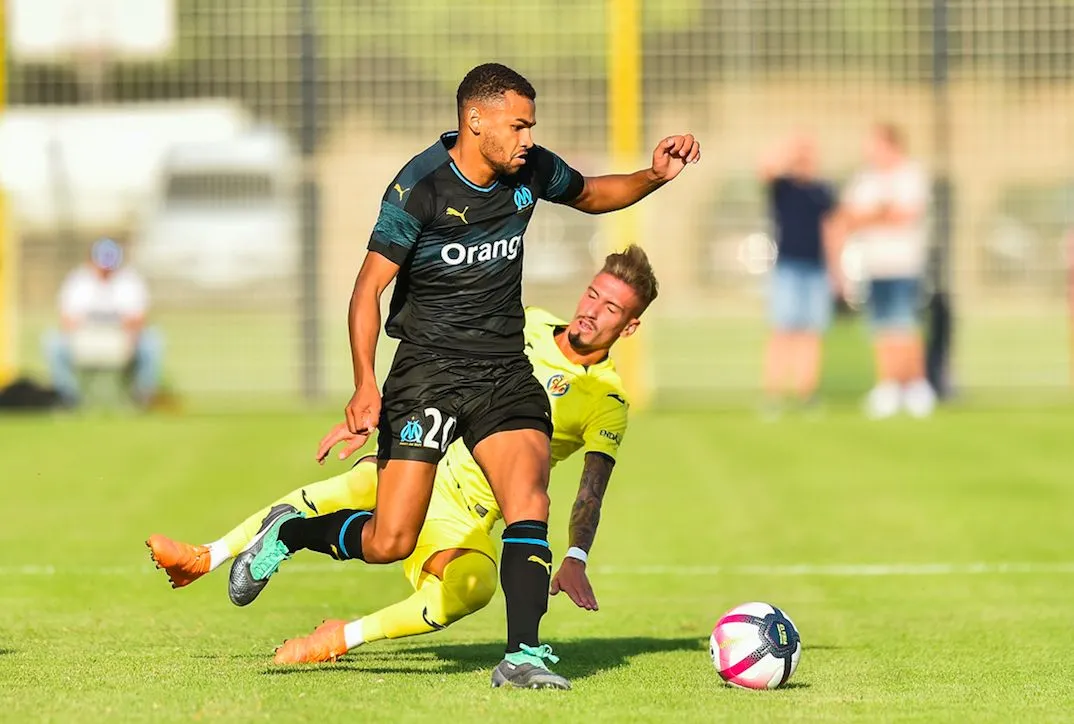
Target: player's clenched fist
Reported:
point(673, 153)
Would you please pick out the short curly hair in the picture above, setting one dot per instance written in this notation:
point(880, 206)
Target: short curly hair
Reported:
point(488, 80)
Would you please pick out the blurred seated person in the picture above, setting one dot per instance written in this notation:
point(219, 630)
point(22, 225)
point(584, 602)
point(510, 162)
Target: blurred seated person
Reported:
point(103, 309)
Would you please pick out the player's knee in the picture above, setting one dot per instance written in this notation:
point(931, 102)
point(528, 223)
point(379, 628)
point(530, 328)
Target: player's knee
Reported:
point(469, 583)
point(389, 546)
point(530, 504)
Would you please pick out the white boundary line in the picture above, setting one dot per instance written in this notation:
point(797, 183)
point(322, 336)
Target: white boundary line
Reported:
point(865, 570)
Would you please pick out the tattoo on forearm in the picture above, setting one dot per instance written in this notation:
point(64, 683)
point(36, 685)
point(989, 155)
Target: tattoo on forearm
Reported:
point(585, 516)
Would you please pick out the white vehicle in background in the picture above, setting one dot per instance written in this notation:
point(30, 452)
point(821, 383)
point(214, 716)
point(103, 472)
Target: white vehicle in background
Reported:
point(226, 213)
point(90, 170)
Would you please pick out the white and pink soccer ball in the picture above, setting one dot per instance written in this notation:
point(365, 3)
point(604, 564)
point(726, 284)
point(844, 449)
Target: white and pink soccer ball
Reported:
point(755, 646)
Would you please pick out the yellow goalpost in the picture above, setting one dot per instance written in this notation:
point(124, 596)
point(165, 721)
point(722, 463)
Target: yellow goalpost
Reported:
point(8, 261)
point(8, 330)
point(624, 135)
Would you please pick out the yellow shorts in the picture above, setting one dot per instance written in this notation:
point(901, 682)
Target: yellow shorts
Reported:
point(450, 523)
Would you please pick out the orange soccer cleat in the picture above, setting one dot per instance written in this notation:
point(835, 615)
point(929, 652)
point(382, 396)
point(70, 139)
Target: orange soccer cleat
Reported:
point(183, 562)
point(326, 643)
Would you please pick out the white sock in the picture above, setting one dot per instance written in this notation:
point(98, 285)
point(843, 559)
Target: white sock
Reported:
point(353, 635)
point(218, 553)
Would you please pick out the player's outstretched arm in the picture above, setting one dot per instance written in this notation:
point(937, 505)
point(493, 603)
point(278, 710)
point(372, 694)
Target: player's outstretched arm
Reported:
point(363, 410)
point(617, 191)
point(585, 516)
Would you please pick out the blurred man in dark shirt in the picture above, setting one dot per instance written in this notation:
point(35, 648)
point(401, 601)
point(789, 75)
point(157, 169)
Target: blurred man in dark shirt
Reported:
point(801, 293)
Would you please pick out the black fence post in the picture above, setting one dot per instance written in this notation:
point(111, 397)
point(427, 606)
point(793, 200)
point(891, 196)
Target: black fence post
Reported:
point(938, 355)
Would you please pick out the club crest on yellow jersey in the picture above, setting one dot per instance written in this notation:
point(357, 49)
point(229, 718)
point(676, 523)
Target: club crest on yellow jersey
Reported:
point(557, 385)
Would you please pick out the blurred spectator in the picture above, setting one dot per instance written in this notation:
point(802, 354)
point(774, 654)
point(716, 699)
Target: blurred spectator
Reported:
point(801, 295)
point(884, 210)
point(102, 315)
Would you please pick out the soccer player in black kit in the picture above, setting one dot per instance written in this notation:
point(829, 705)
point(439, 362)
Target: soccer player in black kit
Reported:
point(450, 232)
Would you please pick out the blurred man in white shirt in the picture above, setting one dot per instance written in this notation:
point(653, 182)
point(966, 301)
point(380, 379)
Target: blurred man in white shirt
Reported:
point(884, 210)
point(103, 308)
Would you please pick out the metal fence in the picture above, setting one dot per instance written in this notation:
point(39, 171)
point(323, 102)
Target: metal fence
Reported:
point(243, 166)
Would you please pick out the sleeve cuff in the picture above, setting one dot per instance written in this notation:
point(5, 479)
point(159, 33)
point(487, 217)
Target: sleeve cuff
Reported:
point(393, 252)
point(609, 451)
point(574, 188)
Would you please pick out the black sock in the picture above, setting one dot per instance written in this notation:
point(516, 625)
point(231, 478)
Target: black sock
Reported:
point(336, 534)
point(525, 573)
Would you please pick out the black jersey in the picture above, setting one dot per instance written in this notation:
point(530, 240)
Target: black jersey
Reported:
point(459, 247)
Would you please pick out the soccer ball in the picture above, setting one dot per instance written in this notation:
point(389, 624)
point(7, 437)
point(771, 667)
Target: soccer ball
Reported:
point(755, 646)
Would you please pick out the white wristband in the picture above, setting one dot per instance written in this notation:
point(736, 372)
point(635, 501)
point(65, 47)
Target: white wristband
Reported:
point(578, 553)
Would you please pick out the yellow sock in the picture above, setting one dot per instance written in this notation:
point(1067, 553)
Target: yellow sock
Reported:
point(468, 584)
point(356, 488)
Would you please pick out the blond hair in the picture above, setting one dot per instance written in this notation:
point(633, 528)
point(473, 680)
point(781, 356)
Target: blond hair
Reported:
point(631, 266)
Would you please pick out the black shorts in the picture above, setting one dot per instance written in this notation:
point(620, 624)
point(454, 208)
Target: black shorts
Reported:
point(431, 399)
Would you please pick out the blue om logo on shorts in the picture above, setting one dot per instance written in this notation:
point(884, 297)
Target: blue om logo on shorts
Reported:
point(411, 432)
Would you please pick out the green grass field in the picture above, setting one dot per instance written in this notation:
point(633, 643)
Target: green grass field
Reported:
point(706, 511)
point(229, 359)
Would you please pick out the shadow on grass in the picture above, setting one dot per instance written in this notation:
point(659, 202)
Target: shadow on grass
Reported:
point(581, 658)
point(789, 685)
point(5, 652)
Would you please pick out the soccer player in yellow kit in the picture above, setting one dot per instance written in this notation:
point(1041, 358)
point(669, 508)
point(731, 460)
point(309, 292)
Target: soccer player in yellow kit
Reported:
point(452, 568)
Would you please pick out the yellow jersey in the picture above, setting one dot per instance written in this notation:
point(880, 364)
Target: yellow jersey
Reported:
point(589, 412)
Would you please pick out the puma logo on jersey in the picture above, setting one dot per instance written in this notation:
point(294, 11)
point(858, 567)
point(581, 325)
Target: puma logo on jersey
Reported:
point(542, 563)
point(401, 191)
point(460, 214)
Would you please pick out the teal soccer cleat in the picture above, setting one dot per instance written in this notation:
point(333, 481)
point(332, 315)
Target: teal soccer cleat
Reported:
point(526, 670)
point(251, 569)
